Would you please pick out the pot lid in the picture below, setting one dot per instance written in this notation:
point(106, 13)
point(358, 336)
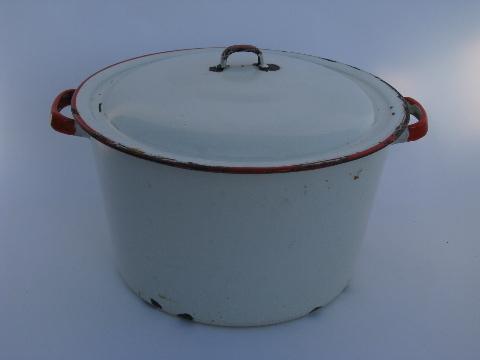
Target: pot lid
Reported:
point(212, 109)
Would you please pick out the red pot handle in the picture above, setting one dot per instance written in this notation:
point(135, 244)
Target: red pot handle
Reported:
point(419, 129)
point(62, 123)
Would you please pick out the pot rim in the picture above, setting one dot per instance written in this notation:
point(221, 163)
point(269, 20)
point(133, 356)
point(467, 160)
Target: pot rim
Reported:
point(394, 136)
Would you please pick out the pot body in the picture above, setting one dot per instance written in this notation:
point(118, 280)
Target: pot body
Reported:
point(236, 249)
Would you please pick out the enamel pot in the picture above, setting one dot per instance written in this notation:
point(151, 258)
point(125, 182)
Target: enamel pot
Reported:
point(237, 181)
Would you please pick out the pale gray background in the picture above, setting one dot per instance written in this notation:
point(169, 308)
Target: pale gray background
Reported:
point(416, 291)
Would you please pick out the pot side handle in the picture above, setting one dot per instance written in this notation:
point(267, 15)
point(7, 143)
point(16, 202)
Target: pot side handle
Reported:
point(419, 129)
point(60, 122)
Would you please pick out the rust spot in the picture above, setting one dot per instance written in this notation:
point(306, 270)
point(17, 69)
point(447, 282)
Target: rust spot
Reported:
point(357, 175)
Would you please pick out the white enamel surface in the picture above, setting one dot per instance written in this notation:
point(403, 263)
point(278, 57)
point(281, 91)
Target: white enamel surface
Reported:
point(236, 250)
point(171, 105)
point(415, 290)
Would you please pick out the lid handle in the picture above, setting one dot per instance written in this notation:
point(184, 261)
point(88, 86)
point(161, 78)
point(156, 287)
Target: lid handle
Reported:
point(243, 48)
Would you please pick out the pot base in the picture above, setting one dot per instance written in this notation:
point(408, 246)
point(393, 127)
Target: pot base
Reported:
point(171, 310)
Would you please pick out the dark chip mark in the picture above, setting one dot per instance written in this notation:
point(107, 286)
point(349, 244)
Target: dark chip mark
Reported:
point(269, 67)
point(216, 68)
point(273, 67)
point(334, 61)
point(155, 304)
point(393, 113)
point(185, 316)
point(356, 177)
point(99, 107)
point(315, 309)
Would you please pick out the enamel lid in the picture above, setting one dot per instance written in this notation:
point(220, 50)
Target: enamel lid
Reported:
point(269, 111)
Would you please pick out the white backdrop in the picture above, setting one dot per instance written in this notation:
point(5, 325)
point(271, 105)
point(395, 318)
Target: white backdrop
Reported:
point(416, 290)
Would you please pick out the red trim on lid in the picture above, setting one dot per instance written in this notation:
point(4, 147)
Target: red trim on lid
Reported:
point(238, 169)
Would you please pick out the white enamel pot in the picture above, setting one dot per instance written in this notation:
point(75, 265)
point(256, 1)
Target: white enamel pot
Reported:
point(237, 194)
